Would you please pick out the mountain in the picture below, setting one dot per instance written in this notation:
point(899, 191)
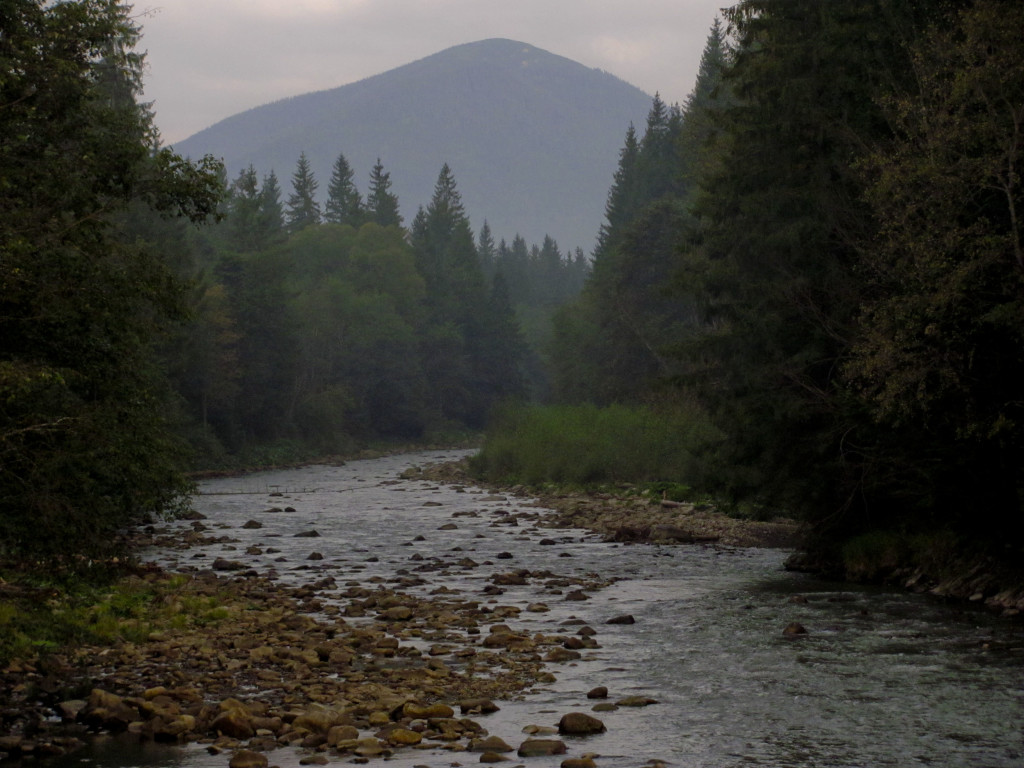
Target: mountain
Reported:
point(532, 138)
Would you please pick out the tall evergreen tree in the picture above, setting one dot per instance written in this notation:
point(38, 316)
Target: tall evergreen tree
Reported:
point(381, 202)
point(302, 208)
point(271, 217)
point(244, 205)
point(777, 264)
point(344, 203)
point(487, 251)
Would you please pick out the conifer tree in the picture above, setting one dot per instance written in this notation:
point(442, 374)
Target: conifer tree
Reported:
point(302, 208)
point(271, 216)
point(486, 250)
point(344, 203)
point(244, 210)
point(381, 202)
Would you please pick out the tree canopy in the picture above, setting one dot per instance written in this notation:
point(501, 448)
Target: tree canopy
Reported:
point(85, 436)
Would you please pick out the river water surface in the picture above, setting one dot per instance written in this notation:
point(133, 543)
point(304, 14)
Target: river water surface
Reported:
point(881, 678)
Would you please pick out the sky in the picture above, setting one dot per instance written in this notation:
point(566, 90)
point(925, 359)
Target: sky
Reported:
point(210, 59)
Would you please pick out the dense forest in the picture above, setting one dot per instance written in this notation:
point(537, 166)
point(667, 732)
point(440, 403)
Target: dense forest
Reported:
point(817, 257)
point(822, 249)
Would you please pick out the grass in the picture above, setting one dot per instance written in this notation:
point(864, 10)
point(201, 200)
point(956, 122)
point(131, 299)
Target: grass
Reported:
point(38, 615)
point(585, 445)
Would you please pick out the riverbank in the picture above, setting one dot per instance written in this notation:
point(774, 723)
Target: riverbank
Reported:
point(939, 568)
point(291, 627)
point(228, 656)
point(631, 518)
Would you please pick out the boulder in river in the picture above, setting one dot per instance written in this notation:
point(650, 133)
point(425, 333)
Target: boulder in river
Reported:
point(794, 629)
point(601, 692)
point(478, 706)
point(580, 724)
point(307, 534)
point(490, 744)
point(626, 619)
point(636, 701)
point(246, 758)
point(541, 747)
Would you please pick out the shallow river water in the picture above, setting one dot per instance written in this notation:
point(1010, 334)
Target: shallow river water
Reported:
point(881, 678)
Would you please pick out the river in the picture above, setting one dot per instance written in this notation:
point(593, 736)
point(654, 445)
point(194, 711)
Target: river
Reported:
point(880, 679)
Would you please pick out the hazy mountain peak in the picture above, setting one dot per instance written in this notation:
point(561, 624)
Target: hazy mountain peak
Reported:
point(532, 138)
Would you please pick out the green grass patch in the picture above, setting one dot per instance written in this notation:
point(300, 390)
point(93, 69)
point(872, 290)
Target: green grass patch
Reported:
point(585, 445)
point(37, 616)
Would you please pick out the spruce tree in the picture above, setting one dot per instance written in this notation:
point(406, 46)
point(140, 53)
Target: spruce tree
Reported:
point(381, 202)
point(302, 208)
point(244, 205)
point(271, 215)
point(344, 203)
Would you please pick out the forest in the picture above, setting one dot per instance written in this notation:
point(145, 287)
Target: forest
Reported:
point(808, 291)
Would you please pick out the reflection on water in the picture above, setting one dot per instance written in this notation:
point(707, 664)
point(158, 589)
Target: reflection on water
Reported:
point(880, 679)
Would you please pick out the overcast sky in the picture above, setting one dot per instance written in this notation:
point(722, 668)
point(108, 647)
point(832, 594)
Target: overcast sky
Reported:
point(210, 59)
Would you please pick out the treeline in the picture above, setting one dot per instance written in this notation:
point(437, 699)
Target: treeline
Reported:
point(329, 327)
point(823, 246)
point(135, 347)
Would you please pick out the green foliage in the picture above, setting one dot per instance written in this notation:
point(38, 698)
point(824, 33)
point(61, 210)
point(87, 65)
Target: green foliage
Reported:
point(303, 210)
point(86, 442)
point(585, 444)
point(38, 616)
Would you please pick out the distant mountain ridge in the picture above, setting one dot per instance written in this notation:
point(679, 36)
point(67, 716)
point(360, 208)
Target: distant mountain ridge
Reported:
point(532, 138)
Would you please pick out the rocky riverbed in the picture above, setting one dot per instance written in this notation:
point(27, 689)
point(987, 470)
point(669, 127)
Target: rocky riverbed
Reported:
point(341, 667)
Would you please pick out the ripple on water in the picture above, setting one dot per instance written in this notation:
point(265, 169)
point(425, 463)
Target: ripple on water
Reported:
point(880, 678)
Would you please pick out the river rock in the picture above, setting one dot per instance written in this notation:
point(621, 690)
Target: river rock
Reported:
point(419, 712)
point(307, 535)
point(317, 759)
point(794, 629)
point(71, 709)
point(601, 692)
point(403, 737)
point(340, 733)
point(252, 524)
point(636, 701)
point(321, 719)
point(246, 758)
point(580, 724)
point(577, 594)
point(478, 706)
point(108, 710)
point(398, 613)
point(492, 757)
point(626, 619)
point(236, 723)
point(222, 564)
point(561, 654)
point(578, 762)
point(490, 744)
point(541, 747)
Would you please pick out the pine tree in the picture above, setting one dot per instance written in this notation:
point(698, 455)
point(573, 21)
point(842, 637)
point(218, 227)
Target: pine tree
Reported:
point(244, 211)
point(624, 195)
point(302, 208)
point(344, 203)
point(381, 203)
point(487, 251)
point(271, 216)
